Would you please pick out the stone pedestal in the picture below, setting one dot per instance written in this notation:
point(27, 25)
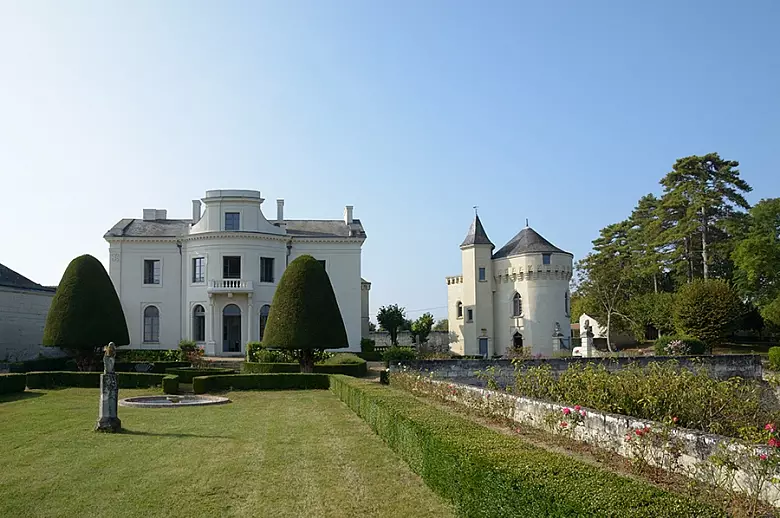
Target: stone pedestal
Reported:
point(587, 342)
point(109, 399)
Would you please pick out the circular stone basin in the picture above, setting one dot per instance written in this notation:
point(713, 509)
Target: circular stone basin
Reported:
point(172, 401)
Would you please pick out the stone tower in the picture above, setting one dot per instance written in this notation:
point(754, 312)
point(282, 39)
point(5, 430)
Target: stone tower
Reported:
point(477, 315)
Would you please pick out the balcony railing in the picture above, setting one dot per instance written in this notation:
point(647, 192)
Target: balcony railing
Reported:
point(230, 285)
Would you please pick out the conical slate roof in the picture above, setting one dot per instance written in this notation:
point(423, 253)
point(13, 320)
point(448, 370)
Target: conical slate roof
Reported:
point(527, 241)
point(476, 235)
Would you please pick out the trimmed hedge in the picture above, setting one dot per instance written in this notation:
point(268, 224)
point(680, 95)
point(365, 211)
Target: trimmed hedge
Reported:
point(157, 367)
point(774, 358)
point(373, 356)
point(44, 364)
point(350, 369)
point(489, 474)
point(186, 374)
point(53, 379)
point(284, 381)
point(12, 383)
point(170, 384)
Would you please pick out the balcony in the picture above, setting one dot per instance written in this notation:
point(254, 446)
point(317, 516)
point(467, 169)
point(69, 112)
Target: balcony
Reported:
point(230, 286)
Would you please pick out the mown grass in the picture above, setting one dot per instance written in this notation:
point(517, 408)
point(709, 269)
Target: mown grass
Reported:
point(297, 453)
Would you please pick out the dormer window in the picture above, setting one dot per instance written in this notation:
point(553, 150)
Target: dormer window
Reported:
point(232, 221)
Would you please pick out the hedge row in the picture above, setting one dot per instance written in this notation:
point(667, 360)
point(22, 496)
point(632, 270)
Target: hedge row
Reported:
point(370, 356)
point(12, 383)
point(283, 381)
point(354, 369)
point(157, 367)
point(44, 364)
point(40, 380)
point(485, 473)
point(186, 374)
point(170, 384)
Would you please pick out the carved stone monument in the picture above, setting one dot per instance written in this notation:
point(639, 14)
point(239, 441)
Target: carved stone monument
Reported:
point(587, 340)
point(109, 393)
point(557, 339)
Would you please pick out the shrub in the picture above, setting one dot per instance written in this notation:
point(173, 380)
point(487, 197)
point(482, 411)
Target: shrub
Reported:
point(774, 358)
point(257, 353)
point(374, 356)
point(656, 392)
point(90, 379)
point(170, 384)
point(489, 474)
point(190, 352)
point(342, 359)
point(148, 355)
point(186, 374)
point(12, 383)
point(707, 309)
point(44, 364)
point(678, 346)
point(304, 314)
point(349, 369)
point(85, 313)
point(268, 368)
point(287, 381)
point(399, 354)
point(367, 345)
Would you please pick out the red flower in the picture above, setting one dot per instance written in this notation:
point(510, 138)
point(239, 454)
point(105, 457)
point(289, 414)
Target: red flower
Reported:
point(770, 427)
point(674, 419)
point(763, 456)
point(577, 407)
point(582, 413)
point(566, 411)
point(564, 424)
point(774, 442)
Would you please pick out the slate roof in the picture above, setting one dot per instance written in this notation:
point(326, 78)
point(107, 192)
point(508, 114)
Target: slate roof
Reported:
point(527, 241)
point(476, 235)
point(12, 279)
point(180, 227)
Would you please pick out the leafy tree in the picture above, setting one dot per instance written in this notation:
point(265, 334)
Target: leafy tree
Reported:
point(392, 318)
point(642, 239)
point(421, 327)
point(442, 325)
point(708, 310)
point(757, 259)
point(305, 315)
point(85, 313)
point(651, 309)
point(702, 195)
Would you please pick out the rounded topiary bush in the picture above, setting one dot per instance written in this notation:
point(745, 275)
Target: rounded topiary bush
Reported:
point(305, 315)
point(774, 358)
point(85, 313)
point(678, 346)
point(707, 309)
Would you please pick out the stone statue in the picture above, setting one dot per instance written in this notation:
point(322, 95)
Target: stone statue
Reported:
point(109, 357)
point(557, 331)
point(108, 421)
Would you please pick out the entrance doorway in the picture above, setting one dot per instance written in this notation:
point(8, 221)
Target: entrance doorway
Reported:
point(517, 340)
point(483, 347)
point(231, 329)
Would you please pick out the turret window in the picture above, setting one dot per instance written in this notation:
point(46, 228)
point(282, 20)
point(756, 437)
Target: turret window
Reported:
point(546, 258)
point(517, 305)
point(232, 221)
point(459, 309)
point(566, 305)
point(469, 315)
point(482, 274)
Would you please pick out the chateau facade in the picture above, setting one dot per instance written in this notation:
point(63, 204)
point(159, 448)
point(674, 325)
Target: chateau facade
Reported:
point(212, 278)
point(516, 297)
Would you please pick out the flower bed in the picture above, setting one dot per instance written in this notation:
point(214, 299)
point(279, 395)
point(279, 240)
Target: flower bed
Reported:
point(486, 473)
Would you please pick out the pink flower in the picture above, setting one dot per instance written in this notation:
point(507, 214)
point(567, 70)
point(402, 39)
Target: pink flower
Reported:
point(763, 456)
point(566, 411)
point(628, 438)
point(582, 413)
point(770, 427)
point(577, 407)
point(774, 442)
point(674, 419)
point(564, 424)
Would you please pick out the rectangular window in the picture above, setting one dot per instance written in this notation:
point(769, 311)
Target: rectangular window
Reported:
point(151, 271)
point(481, 274)
point(231, 267)
point(469, 315)
point(266, 269)
point(232, 221)
point(198, 269)
point(545, 258)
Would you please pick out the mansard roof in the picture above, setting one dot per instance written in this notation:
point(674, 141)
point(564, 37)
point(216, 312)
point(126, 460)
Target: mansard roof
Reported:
point(476, 235)
point(527, 241)
point(12, 279)
point(180, 227)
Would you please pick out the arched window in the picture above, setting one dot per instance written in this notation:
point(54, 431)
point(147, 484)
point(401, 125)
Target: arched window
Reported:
point(517, 340)
point(459, 308)
point(151, 324)
point(198, 323)
point(517, 305)
point(264, 319)
point(566, 307)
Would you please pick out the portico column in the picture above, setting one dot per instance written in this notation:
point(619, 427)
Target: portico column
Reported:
point(249, 319)
point(211, 346)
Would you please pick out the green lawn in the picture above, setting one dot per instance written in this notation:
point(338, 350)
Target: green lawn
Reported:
point(297, 453)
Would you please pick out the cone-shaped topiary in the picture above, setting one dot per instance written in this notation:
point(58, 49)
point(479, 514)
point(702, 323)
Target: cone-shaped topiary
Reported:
point(304, 313)
point(85, 313)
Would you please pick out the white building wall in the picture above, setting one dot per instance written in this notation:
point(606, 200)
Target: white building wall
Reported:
point(22, 319)
point(455, 294)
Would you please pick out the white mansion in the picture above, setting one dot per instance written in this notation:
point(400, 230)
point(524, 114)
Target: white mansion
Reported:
point(516, 297)
point(212, 278)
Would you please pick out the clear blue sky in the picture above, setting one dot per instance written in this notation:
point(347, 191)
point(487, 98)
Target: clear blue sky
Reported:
point(413, 111)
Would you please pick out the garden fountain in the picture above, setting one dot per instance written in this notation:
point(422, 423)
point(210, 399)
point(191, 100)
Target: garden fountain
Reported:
point(172, 401)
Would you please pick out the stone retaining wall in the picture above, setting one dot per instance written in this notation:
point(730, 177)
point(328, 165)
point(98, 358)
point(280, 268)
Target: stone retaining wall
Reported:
point(465, 371)
point(604, 430)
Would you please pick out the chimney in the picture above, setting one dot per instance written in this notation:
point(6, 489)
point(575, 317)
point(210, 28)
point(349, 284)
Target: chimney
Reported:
point(150, 214)
point(161, 214)
point(195, 210)
point(348, 214)
point(280, 211)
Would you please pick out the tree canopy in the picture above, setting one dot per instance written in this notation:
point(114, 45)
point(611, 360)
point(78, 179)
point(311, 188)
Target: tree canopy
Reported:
point(392, 318)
